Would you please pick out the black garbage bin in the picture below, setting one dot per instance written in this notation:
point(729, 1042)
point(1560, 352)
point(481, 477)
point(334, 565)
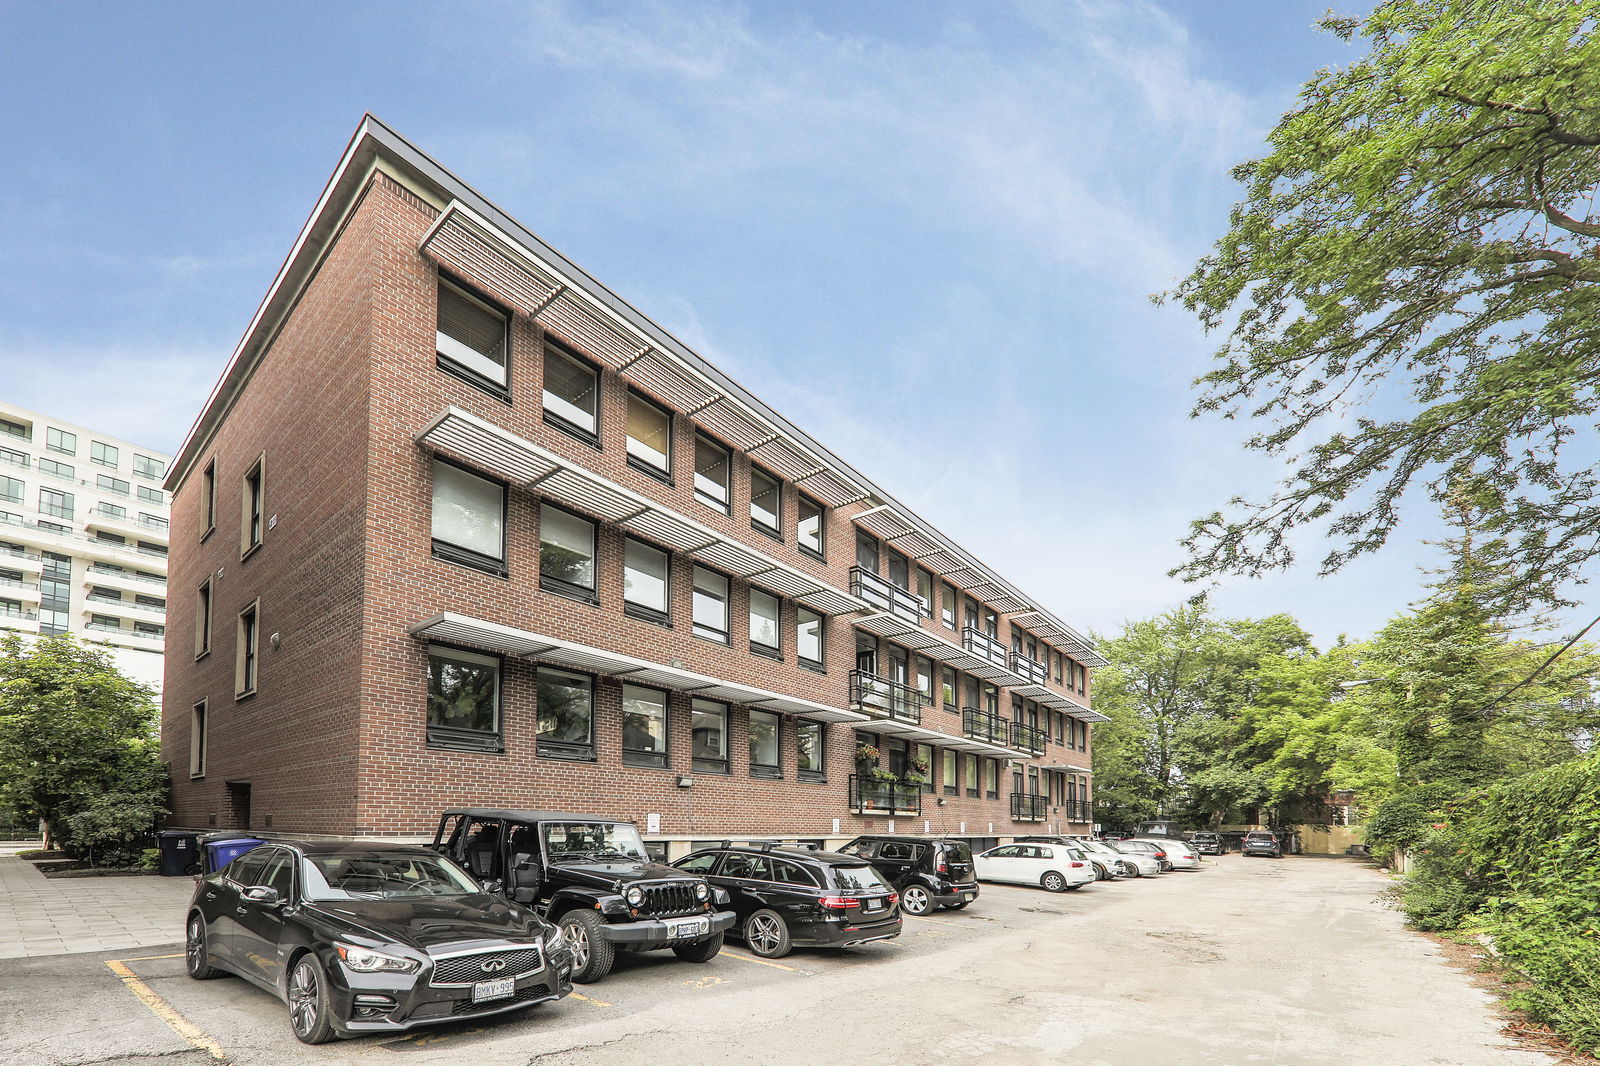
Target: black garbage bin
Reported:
point(180, 852)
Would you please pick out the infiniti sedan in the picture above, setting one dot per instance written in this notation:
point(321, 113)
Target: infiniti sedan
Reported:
point(360, 938)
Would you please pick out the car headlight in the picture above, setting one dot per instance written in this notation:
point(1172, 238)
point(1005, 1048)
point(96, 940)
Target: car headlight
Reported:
point(365, 960)
point(634, 896)
point(552, 940)
point(702, 892)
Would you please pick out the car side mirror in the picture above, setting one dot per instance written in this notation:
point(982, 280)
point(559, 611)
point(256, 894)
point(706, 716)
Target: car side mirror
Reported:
point(261, 894)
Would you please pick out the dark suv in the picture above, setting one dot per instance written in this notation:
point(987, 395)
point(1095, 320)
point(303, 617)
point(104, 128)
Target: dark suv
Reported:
point(1261, 842)
point(787, 896)
point(1206, 843)
point(925, 870)
point(593, 878)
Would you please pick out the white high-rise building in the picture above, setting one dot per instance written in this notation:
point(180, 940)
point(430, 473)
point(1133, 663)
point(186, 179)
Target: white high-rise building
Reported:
point(83, 538)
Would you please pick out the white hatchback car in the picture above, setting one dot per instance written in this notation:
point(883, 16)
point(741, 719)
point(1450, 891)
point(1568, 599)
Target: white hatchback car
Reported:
point(1179, 853)
point(1054, 867)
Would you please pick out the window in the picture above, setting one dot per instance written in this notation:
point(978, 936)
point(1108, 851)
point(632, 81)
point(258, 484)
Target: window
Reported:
point(646, 582)
point(104, 621)
point(148, 548)
point(971, 772)
point(15, 429)
point(712, 466)
point(251, 502)
point(54, 503)
point(463, 700)
point(710, 604)
point(149, 495)
point(764, 613)
point(710, 731)
point(471, 336)
point(208, 489)
point(145, 466)
point(566, 554)
point(948, 778)
point(245, 645)
point(809, 528)
point(13, 457)
point(103, 454)
point(152, 521)
point(110, 538)
point(56, 469)
point(808, 750)
point(468, 518)
point(808, 637)
point(566, 715)
point(766, 502)
point(764, 753)
point(899, 570)
point(947, 609)
point(59, 440)
point(644, 726)
point(197, 740)
point(947, 684)
point(202, 620)
point(866, 552)
point(924, 682)
point(571, 393)
point(922, 755)
point(925, 592)
point(649, 436)
point(10, 489)
point(991, 778)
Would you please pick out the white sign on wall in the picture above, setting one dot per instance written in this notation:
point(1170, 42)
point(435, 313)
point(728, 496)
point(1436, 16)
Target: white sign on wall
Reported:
point(652, 823)
point(963, 828)
point(836, 827)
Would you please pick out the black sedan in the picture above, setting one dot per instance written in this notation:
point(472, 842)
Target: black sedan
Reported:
point(360, 938)
point(1259, 842)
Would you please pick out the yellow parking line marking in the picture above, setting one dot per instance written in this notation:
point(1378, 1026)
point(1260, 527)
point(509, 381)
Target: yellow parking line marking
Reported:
point(152, 958)
point(165, 1011)
point(758, 962)
point(587, 999)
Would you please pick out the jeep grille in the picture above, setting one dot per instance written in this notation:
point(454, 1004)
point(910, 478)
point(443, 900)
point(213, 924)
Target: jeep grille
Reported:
point(669, 899)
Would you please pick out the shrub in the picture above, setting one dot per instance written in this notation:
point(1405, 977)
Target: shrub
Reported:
point(113, 829)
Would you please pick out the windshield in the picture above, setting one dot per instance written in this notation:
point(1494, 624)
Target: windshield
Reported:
point(336, 877)
point(858, 878)
point(592, 840)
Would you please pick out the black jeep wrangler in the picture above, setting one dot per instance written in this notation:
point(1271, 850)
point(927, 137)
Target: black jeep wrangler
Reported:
point(593, 878)
point(924, 870)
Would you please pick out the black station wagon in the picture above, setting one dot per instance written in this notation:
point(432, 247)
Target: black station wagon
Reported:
point(925, 870)
point(789, 896)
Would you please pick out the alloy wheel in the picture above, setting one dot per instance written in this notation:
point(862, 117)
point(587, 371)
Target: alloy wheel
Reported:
point(303, 994)
point(578, 941)
point(764, 934)
point(915, 900)
point(195, 945)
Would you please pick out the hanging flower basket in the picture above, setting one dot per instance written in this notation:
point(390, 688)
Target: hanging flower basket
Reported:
point(867, 753)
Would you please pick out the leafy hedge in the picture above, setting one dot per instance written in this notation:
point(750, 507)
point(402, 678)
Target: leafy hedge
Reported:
point(1521, 863)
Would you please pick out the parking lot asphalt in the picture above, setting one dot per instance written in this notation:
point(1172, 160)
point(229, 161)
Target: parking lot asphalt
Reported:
point(1286, 962)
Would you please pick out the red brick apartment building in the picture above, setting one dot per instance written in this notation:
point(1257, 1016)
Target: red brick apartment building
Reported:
point(459, 526)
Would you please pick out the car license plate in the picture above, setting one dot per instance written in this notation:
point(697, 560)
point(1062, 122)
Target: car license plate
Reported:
point(873, 905)
point(684, 928)
point(485, 990)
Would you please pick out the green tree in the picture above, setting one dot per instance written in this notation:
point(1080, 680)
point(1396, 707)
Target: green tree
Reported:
point(1418, 250)
point(73, 729)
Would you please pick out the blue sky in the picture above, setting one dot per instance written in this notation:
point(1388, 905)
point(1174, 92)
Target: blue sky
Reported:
point(926, 232)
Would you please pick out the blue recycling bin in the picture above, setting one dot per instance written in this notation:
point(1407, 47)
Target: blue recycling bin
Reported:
point(220, 851)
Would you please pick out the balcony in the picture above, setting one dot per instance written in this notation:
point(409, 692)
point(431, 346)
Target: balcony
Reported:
point(881, 696)
point(12, 457)
point(126, 580)
point(868, 796)
point(16, 589)
point(984, 725)
point(1026, 808)
point(25, 620)
point(1035, 673)
point(1077, 811)
point(985, 647)
point(885, 595)
point(107, 605)
point(129, 637)
point(1029, 738)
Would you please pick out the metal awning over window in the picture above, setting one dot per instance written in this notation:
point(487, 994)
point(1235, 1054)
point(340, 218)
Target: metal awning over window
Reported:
point(479, 443)
point(509, 640)
point(1070, 641)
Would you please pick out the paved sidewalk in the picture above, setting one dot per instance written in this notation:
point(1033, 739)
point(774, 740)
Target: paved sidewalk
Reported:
point(62, 915)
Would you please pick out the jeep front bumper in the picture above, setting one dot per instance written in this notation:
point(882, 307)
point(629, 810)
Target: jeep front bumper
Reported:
point(663, 932)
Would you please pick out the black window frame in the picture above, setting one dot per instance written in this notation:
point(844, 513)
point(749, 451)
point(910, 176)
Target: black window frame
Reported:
point(463, 556)
point(724, 506)
point(642, 611)
point(560, 586)
point(707, 764)
point(464, 738)
point(771, 651)
point(460, 371)
point(555, 419)
point(638, 462)
point(773, 531)
point(772, 771)
point(819, 774)
point(253, 507)
point(820, 552)
point(648, 758)
point(695, 626)
point(564, 750)
point(819, 665)
point(208, 491)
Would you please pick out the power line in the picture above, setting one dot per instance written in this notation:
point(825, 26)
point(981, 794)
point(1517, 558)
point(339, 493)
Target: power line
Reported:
point(1541, 669)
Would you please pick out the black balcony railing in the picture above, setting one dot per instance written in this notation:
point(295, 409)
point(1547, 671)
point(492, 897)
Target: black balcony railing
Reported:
point(985, 647)
point(984, 725)
point(1028, 738)
point(1026, 808)
point(870, 796)
point(885, 595)
point(1077, 811)
point(1034, 673)
point(879, 695)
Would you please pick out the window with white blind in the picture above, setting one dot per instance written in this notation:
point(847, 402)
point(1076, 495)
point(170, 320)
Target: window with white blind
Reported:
point(566, 553)
point(571, 393)
point(765, 610)
point(649, 436)
point(646, 582)
point(468, 518)
point(710, 604)
point(471, 335)
point(712, 468)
